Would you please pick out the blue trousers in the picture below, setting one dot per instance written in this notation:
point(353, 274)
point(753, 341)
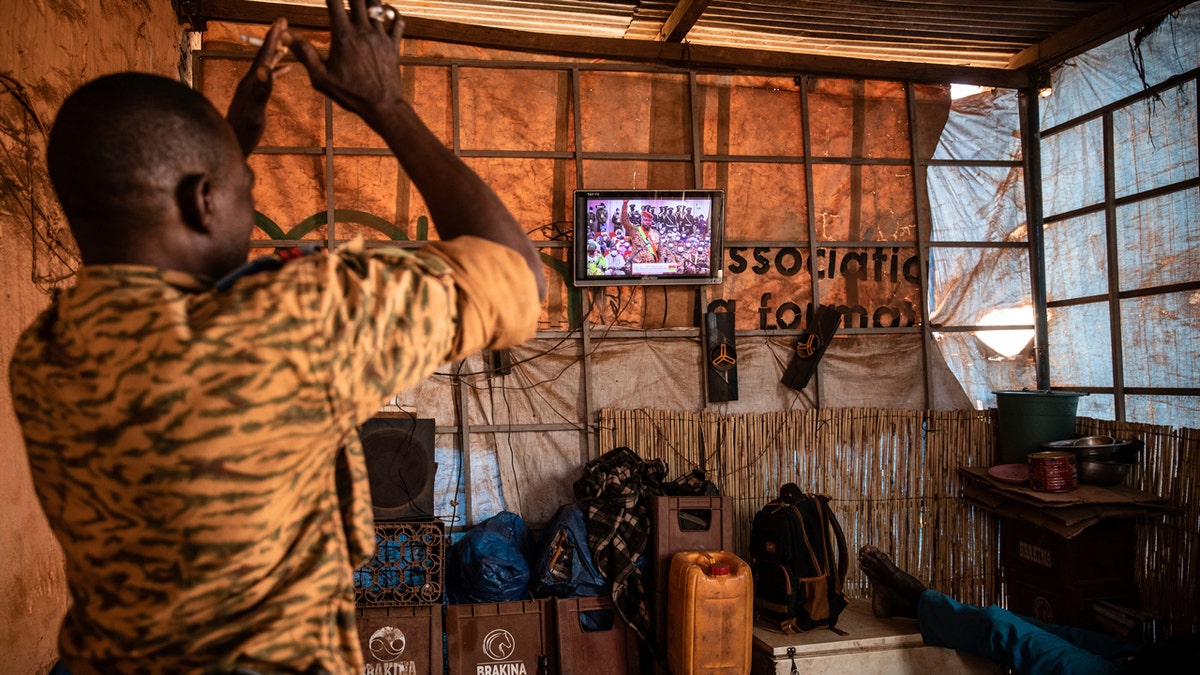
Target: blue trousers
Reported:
point(1028, 645)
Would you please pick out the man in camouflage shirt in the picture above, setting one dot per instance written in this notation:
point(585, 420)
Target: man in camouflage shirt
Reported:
point(184, 437)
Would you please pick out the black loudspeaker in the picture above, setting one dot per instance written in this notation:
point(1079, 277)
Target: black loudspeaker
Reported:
point(400, 465)
point(720, 356)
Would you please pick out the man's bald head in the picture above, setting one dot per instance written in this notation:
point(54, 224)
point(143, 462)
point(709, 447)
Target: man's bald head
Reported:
point(120, 150)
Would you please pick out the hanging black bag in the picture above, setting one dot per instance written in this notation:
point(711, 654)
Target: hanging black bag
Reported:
point(799, 561)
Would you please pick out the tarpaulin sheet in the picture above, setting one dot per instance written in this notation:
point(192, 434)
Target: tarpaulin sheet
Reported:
point(1158, 239)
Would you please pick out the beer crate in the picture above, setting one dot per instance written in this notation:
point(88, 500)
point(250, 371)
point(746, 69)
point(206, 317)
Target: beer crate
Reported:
point(501, 638)
point(407, 568)
point(688, 524)
point(592, 637)
point(401, 640)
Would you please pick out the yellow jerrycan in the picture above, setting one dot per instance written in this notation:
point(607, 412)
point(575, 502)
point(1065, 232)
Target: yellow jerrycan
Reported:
point(710, 614)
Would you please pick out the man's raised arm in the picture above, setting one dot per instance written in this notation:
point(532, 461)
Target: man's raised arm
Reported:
point(362, 74)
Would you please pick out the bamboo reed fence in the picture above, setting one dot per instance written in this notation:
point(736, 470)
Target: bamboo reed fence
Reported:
point(1168, 546)
point(892, 476)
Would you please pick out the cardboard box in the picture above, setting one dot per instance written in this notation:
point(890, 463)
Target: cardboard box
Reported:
point(1063, 604)
point(1101, 554)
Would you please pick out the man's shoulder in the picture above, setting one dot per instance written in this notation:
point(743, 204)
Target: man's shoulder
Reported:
point(267, 263)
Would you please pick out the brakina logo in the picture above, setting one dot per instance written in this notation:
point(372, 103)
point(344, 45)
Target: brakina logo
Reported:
point(499, 644)
point(387, 644)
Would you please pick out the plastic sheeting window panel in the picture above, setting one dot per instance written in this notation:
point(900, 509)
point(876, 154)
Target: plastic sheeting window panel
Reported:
point(430, 86)
point(635, 112)
point(1073, 168)
point(365, 199)
point(427, 88)
point(1158, 240)
point(533, 190)
point(295, 111)
point(289, 193)
point(1155, 141)
point(1160, 340)
point(967, 283)
point(513, 109)
point(408, 567)
point(1076, 257)
point(771, 285)
point(637, 174)
point(976, 203)
point(873, 287)
point(748, 115)
point(1079, 350)
point(1109, 72)
point(862, 118)
point(985, 126)
point(981, 370)
point(1099, 406)
point(763, 201)
point(1171, 411)
point(864, 203)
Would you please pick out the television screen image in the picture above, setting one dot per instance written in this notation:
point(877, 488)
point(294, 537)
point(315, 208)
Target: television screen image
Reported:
point(649, 237)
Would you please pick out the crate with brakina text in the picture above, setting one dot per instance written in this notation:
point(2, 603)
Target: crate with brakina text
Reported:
point(401, 640)
point(501, 638)
point(408, 567)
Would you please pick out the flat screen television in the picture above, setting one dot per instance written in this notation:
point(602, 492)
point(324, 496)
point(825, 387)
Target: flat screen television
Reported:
point(648, 237)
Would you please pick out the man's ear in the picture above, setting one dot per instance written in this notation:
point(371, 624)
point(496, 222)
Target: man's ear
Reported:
point(194, 197)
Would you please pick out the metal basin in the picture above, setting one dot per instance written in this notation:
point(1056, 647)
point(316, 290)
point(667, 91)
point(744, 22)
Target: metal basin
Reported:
point(1095, 472)
point(1099, 448)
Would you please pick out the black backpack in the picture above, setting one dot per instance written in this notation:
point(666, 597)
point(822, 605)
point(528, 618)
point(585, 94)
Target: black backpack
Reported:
point(798, 576)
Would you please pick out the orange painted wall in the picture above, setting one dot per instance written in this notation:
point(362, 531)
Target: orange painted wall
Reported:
point(47, 47)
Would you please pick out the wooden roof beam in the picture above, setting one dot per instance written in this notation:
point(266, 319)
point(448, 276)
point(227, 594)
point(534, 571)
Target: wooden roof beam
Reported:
point(683, 17)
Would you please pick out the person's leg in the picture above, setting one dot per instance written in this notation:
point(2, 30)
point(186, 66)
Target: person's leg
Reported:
point(1101, 644)
point(1002, 636)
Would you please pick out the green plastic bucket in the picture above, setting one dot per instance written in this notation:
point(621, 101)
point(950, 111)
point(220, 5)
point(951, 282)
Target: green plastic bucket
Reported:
point(1026, 419)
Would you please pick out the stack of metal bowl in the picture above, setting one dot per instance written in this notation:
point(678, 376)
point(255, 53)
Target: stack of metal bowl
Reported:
point(1102, 460)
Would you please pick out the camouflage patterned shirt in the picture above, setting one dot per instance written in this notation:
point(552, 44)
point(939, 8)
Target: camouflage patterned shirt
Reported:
point(183, 443)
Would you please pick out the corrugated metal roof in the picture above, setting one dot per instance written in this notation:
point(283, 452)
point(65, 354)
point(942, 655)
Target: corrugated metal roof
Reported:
point(984, 33)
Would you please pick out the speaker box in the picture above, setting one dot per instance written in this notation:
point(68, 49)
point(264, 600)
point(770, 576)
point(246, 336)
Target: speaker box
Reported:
point(720, 356)
point(400, 465)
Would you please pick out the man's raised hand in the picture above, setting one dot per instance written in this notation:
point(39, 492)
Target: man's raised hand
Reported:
point(247, 110)
point(362, 71)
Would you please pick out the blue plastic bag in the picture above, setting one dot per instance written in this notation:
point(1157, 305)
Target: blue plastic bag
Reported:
point(490, 563)
point(562, 562)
